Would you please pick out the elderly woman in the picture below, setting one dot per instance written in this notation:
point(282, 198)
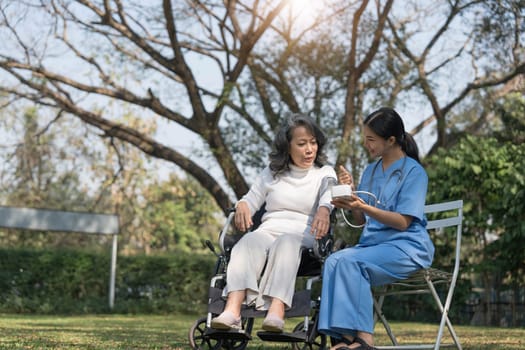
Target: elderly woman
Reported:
point(264, 263)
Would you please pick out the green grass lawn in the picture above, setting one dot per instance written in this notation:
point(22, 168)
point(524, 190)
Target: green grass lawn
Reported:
point(171, 332)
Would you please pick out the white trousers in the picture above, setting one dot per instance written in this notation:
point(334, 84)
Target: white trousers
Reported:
point(265, 264)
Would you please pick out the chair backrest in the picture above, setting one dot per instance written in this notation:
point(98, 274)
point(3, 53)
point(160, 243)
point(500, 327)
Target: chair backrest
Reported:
point(445, 207)
point(455, 208)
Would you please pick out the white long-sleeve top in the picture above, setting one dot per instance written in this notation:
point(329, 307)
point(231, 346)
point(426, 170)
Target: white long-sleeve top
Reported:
point(292, 198)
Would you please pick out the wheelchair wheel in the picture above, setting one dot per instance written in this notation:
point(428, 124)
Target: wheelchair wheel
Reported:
point(315, 340)
point(198, 340)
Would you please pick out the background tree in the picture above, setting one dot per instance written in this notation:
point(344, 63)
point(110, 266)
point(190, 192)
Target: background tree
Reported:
point(140, 76)
point(229, 72)
point(487, 173)
point(99, 175)
point(178, 213)
point(36, 174)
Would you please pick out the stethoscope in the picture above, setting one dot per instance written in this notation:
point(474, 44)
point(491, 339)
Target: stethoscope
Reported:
point(379, 200)
point(399, 173)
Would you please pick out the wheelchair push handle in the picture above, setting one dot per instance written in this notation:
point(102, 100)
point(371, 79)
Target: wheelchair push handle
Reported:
point(211, 247)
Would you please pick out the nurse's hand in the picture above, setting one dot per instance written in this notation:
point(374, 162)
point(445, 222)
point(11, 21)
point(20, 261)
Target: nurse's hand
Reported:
point(321, 222)
point(352, 202)
point(243, 217)
point(344, 177)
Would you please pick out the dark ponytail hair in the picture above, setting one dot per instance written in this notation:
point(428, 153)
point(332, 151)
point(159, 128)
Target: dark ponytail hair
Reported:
point(386, 122)
point(280, 154)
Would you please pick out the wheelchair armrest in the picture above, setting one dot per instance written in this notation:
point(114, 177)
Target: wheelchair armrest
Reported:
point(223, 240)
point(325, 246)
point(226, 241)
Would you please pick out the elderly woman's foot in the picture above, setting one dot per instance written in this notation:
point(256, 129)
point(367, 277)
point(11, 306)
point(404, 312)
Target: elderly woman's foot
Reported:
point(226, 321)
point(273, 323)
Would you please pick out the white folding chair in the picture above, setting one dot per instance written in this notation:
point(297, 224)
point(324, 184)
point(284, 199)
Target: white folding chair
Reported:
point(425, 280)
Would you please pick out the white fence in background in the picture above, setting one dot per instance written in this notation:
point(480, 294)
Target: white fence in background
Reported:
point(65, 221)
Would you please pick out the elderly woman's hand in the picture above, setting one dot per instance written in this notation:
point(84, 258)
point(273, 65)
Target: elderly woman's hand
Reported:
point(243, 217)
point(321, 222)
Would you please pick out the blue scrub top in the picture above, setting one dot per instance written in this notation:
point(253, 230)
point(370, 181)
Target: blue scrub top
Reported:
point(401, 188)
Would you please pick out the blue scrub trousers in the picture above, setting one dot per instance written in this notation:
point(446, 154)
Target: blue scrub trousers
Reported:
point(346, 297)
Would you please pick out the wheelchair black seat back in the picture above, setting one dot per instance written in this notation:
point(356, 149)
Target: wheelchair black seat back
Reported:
point(303, 336)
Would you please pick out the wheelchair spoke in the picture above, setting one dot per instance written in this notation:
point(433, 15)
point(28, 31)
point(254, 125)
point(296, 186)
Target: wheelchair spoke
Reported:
point(198, 340)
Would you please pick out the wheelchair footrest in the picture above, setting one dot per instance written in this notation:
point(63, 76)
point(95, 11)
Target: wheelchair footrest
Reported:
point(295, 337)
point(234, 334)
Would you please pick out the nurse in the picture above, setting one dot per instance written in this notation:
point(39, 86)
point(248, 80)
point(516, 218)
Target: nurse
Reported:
point(394, 242)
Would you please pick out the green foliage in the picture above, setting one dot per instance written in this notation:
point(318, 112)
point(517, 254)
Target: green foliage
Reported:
point(46, 281)
point(73, 282)
point(511, 109)
point(179, 214)
point(488, 176)
point(163, 284)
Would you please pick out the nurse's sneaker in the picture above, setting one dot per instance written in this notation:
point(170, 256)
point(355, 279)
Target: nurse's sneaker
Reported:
point(273, 323)
point(226, 321)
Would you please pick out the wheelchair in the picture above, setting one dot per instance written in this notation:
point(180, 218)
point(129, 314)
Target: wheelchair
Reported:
point(304, 306)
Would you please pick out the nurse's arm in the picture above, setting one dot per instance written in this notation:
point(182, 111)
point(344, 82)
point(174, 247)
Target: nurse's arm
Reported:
point(395, 220)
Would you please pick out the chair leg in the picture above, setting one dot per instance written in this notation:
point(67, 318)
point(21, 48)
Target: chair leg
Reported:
point(378, 307)
point(444, 315)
